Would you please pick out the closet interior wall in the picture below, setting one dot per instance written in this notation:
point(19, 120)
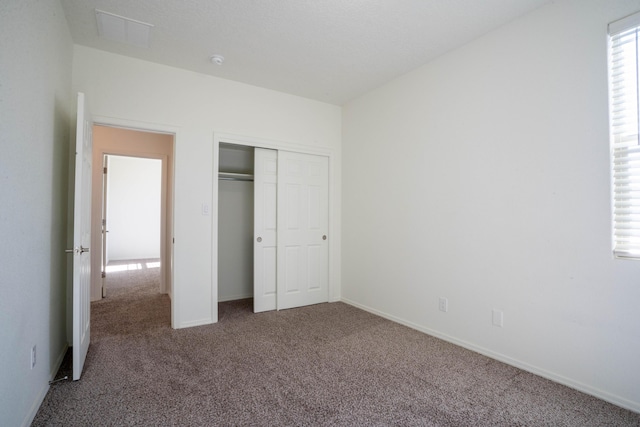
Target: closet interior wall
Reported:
point(235, 222)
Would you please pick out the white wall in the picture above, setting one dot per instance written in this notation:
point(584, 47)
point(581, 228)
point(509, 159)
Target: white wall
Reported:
point(35, 117)
point(235, 240)
point(197, 105)
point(133, 208)
point(483, 177)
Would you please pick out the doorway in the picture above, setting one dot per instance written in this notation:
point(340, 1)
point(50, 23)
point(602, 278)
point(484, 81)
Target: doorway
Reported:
point(132, 195)
point(127, 147)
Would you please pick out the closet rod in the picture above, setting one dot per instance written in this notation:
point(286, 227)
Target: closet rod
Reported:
point(228, 176)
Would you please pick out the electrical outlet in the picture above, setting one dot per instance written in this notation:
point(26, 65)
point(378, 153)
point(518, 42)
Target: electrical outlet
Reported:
point(497, 318)
point(443, 304)
point(33, 357)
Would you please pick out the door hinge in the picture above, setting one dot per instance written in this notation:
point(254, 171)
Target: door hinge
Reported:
point(104, 170)
point(104, 222)
point(104, 274)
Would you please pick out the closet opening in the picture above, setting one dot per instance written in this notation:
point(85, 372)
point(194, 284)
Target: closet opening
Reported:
point(235, 222)
point(272, 226)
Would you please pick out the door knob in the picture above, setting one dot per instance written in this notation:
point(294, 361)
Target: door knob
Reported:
point(324, 237)
point(77, 250)
point(259, 239)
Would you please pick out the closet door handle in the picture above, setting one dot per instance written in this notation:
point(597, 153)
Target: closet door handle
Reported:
point(324, 237)
point(259, 239)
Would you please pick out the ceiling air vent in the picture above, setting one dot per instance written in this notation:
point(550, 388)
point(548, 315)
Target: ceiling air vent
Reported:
point(123, 30)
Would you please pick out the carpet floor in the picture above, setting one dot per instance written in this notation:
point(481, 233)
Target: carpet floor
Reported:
point(327, 364)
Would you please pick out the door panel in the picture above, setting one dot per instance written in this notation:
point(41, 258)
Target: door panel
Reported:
point(82, 238)
point(269, 274)
point(303, 251)
point(315, 218)
point(292, 265)
point(265, 229)
point(293, 205)
point(314, 262)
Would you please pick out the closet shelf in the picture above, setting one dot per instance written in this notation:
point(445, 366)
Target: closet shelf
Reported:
point(230, 176)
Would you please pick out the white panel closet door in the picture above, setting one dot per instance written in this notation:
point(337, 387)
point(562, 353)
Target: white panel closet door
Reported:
point(303, 222)
point(265, 229)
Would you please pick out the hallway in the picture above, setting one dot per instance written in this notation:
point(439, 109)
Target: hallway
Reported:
point(133, 302)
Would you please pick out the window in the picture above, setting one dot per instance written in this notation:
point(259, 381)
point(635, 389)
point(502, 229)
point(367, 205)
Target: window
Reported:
point(624, 125)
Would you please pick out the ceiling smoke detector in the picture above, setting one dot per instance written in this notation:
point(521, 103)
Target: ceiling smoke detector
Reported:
point(217, 59)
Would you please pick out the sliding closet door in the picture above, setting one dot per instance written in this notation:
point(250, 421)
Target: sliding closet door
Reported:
point(265, 228)
point(303, 222)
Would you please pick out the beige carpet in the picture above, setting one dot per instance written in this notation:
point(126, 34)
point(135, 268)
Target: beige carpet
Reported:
point(328, 364)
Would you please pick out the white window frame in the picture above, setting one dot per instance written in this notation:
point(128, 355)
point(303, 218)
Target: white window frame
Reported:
point(624, 128)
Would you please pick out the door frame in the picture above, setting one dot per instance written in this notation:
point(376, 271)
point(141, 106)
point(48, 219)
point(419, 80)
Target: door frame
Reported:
point(229, 138)
point(168, 202)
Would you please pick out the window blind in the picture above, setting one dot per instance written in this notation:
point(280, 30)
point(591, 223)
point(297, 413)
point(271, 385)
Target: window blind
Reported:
point(624, 126)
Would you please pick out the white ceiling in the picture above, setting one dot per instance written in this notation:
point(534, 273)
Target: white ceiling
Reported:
point(328, 50)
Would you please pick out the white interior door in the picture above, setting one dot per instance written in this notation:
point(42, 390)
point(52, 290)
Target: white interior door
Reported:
point(265, 229)
point(82, 238)
point(303, 222)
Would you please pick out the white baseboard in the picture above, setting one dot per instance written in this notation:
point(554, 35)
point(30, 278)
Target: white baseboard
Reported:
point(600, 394)
point(58, 363)
point(35, 406)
